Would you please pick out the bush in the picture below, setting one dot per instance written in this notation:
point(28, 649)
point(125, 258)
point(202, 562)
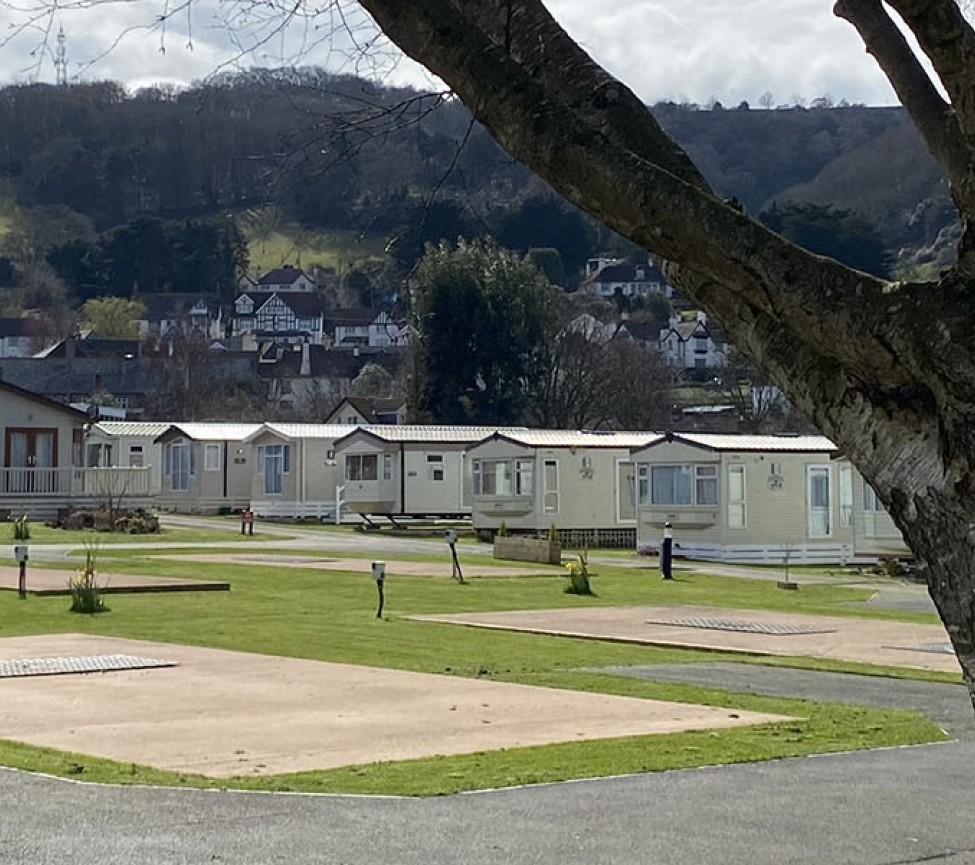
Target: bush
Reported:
point(579, 576)
point(22, 529)
point(86, 594)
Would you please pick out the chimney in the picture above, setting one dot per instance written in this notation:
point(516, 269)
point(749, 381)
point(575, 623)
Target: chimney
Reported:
point(305, 368)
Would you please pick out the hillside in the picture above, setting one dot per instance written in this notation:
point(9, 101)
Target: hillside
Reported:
point(338, 158)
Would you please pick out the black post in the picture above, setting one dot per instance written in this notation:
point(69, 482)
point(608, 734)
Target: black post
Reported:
point(667, 552)
point(379, 575)
point(22, 581)
point(456, 572)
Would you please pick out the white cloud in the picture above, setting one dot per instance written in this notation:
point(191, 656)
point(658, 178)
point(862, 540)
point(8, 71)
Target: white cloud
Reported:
point(729, 50)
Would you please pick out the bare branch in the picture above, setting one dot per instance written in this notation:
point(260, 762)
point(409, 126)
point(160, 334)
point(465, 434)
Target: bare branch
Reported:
point(949, 41)
point(934, 117)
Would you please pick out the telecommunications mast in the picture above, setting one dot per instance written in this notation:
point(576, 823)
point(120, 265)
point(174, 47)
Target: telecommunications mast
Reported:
point(61, 59)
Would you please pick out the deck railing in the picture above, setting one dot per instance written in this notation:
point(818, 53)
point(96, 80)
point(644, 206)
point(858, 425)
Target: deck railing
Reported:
point(69, 482)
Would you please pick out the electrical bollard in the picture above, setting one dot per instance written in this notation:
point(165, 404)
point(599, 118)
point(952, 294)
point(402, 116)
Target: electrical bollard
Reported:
point(22, 555)
point(667, 552)
point(379, 575)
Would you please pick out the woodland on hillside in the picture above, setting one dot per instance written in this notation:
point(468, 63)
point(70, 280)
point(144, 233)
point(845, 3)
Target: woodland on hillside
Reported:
point(338, 152)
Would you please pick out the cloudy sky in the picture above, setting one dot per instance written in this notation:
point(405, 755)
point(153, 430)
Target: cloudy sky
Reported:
point(694, 50)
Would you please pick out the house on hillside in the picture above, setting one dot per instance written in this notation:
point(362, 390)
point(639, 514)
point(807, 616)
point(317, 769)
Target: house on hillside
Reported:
point(364, 411)
point(608, 277)
point(18, 337)
point(363, 328)
point(292, 317)
point(206, 467)
point(688, 343)
point(118, 373)
point(580, 482)
point(168, 315)
point(410, 471)
point(310, 379)
point(287, 278)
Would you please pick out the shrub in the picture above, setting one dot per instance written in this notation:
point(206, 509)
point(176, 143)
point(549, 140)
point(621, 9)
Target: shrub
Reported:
point(579, 576)
point(502, 530)
point(86, 594)
point(22, 529)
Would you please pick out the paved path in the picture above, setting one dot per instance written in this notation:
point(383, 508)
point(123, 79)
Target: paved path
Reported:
point(888, 807)
point(868, 641)
point(949, 706)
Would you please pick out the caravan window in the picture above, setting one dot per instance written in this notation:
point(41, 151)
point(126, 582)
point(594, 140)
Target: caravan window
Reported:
point(678, 485)
point(362, 467)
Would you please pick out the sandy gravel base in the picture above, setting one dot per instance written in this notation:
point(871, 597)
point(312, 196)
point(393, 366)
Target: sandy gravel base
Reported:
point(49, 581)
point(869, 641)
point(394, 567)
point(223, 713)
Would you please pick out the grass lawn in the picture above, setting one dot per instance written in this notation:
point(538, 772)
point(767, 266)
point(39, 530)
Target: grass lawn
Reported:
point(273, 245)
point(329, 615)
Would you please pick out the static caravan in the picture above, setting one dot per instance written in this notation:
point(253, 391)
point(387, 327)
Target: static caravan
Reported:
point(744, 498)
point(875, 535)
point(127, 444)
point(40, 450)
point(583, 483)
point(296, 470)
point(404, 470)
point(206, 467)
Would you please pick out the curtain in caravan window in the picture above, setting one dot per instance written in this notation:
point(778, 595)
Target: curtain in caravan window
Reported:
point(550, 487)
point(670, 485)
point(625, 491)
point(736, 497)
point(846, 495)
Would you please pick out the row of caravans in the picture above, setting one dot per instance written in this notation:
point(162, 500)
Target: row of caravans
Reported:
point(727, 497)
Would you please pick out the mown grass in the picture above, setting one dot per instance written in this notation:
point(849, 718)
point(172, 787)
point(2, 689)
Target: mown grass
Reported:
point(329, 615)
point(614, 585)
point(273, 244)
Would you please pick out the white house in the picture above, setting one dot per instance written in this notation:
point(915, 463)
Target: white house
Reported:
point(18, 336)
point(287, 278)
point(607, 277)
point(360, 328)
point(687, 343)
point(283, 317)
point(365, 411)
point(580, 482)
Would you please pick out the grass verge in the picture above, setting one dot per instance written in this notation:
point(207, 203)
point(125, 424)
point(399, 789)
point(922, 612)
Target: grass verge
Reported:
point(328, 615)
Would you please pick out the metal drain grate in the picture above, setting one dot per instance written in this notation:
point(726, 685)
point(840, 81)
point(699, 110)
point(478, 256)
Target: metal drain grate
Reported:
point(742, 627)
point(87, 664)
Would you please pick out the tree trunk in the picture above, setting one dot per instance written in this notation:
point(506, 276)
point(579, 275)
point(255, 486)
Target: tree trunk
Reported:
point(887, 370)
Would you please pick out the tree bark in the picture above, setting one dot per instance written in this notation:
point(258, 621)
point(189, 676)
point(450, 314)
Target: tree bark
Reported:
point(887, 370)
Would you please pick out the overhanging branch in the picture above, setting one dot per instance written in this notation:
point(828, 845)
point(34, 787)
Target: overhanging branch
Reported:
point(949, 42)
point(813, 297)
point(933, 116)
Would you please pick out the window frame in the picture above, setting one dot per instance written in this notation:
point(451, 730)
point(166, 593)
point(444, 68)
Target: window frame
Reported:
point(210, 448)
